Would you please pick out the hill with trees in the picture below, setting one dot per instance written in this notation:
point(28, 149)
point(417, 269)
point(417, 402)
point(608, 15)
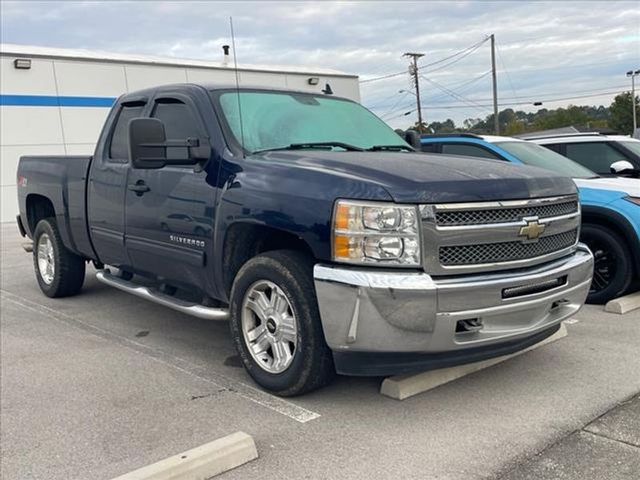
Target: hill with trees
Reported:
point(618, 117)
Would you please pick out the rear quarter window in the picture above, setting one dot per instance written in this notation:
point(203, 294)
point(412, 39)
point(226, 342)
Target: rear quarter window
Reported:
point(119, 147)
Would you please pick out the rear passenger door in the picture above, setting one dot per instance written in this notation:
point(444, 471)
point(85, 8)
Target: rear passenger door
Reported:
point(107, 186)
point(162, 236)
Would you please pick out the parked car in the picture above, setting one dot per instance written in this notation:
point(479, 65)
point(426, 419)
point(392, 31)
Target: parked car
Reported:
point(335, 246)
point(607, 155)
point(610, 206)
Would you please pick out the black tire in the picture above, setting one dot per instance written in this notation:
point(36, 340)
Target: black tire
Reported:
point(69, 268)
point(613, 271)
point(312, 363)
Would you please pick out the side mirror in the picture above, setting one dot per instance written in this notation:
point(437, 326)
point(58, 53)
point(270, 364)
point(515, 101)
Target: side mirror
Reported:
point(413, 138)
point(622, 167)
point(146, 143)
point(150, 149)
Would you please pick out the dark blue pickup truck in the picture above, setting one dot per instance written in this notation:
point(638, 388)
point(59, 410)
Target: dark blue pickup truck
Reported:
point(313, 228)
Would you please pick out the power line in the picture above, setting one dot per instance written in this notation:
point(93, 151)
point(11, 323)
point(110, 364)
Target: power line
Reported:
point(469, 51)
point(466, 51)
point(506, 104)
point(504, 67)
point(392, 109)
point(453, 94)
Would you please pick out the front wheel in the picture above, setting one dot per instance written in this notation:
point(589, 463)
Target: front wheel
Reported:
point(60, 273)
point(275, 324)
point(612, 270)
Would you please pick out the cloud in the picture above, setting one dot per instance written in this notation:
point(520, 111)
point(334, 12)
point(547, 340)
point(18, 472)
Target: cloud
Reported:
point(544, 47)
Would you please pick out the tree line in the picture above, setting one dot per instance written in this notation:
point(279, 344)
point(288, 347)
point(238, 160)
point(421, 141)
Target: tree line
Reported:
point(616, 117)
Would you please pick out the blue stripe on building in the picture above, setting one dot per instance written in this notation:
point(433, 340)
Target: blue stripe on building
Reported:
point(55, 101)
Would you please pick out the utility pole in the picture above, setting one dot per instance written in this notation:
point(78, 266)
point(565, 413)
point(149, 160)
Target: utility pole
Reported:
point(413, 70)
point(496, 124)
point(633, 76)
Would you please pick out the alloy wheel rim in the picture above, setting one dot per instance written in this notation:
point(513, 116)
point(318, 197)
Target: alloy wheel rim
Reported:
point(604, 268)
point(46, 263)
point(269, 326)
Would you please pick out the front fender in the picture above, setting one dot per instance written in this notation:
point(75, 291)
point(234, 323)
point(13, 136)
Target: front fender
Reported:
point(295, 200)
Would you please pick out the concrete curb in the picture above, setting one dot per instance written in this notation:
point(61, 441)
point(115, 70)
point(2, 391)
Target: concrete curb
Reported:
point(405, 386)
point(202, 462)
point(624, 304)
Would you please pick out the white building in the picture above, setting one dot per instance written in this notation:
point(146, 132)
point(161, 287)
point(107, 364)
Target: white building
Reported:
point(54, 101)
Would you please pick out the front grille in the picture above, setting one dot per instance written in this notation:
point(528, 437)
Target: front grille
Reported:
point(504, 214)
point(506, 251)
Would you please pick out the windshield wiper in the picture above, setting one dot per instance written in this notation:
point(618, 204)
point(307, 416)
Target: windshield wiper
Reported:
point(322, 145)
point(390, 148)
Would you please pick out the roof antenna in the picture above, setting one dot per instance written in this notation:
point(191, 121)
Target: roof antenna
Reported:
point(235, 68)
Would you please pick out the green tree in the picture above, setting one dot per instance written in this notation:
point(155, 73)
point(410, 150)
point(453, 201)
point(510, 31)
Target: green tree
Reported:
point(621, 113)
point(562, 117)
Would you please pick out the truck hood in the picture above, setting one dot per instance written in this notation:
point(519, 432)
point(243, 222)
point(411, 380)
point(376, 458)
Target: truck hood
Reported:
point(628, 186)
point(423, 178)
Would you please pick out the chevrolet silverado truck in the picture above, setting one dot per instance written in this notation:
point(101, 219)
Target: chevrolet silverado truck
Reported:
point(324, 239)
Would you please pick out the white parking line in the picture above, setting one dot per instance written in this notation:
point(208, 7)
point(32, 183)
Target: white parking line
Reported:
point(276, 404)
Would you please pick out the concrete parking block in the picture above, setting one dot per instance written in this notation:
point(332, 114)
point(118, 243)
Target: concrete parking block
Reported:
point(623, 304)
point(405, 386)
point(201, 462)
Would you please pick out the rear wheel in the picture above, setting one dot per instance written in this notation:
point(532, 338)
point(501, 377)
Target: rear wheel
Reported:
point(275, 324)
point(60, 273)
point(612, 270)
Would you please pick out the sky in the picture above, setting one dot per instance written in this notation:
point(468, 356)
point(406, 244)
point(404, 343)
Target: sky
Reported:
point(559, 53)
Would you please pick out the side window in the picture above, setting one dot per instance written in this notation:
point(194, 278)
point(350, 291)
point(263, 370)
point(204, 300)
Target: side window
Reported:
point(179, 121)
point(596, 156)
point(468, 150)
point(119, 147)
point(429, 147)
point(553, 146)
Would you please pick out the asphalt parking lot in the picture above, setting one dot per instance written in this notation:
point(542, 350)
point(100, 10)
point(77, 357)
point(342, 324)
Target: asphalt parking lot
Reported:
point(100, 384)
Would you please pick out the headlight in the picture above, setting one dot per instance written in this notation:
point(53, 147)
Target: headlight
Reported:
point(635, 200)
point(376, 233)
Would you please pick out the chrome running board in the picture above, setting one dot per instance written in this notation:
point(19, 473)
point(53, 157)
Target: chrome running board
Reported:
point(193, 309)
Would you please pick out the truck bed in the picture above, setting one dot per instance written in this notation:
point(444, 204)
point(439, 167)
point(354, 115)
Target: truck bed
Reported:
point(62, 180)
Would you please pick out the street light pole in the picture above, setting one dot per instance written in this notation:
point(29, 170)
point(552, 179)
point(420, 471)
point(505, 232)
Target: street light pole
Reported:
point(633, 76)
point(413, 70)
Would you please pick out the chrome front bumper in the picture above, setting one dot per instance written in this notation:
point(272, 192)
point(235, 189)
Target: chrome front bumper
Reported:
point(378, 311)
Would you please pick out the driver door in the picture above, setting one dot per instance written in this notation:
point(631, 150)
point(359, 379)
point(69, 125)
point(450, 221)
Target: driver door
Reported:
point(161, 237)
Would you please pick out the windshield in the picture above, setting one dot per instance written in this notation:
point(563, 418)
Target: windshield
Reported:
point(538, 156)
point(633, 146)
point(274, 120)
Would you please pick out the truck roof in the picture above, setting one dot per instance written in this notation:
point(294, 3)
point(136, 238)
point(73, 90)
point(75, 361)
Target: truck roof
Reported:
point(212, 86)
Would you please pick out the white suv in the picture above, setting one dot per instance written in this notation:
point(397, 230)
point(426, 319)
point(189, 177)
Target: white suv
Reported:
point(604, 154)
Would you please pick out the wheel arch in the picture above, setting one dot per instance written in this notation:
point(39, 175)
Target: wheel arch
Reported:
point(245, 240)
point(38, 207)
point(616, 222)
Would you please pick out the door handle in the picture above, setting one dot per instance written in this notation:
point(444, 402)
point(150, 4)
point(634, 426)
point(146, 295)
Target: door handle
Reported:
point(139, 187)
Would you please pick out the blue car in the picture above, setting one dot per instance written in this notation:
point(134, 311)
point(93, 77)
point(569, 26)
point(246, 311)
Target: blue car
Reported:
point(610, 206)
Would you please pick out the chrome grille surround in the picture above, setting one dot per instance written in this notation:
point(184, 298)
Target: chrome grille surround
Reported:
point(455, 242)
point(511, 214)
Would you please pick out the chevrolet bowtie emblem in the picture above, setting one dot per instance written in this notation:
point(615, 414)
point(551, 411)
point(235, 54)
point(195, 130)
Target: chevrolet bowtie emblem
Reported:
point(532, 230)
